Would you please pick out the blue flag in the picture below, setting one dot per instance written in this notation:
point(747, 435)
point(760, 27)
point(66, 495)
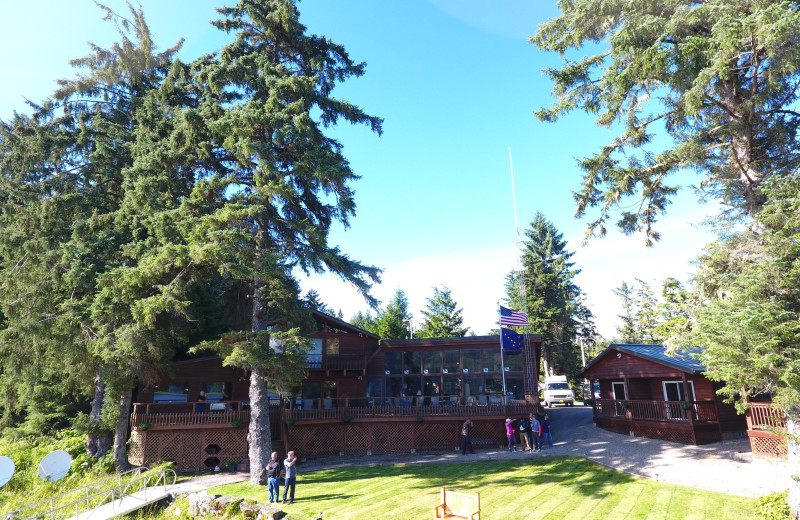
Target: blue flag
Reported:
point(511, 339)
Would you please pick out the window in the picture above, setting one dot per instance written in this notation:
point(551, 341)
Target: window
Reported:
point(432, 362)
point(513, 360)
point(451, 361)
point(450, 388)
point(491, 359)
point(332, 346)
point(312, 389)
point(171, 392)
point(412, 362)
point(375, 390)
point(393, 362)
point(314, 355)
point(515, 387)
point(218, 391)
point(472, 361)
point(673, 391)
point(618, 389)
point(494, 384)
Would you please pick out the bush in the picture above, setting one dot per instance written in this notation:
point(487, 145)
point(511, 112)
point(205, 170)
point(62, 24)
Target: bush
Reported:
point(774, 506)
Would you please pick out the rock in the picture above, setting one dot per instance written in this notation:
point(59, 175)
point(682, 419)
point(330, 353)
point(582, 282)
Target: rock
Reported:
point(219, 506)
point(261, 512)
point(200, 503)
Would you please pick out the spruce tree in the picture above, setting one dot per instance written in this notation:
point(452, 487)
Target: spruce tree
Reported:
point(391, 322)
point(442, 318)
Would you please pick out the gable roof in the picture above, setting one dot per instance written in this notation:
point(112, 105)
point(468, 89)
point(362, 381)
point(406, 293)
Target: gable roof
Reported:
point(336, 323)
point(684, 360)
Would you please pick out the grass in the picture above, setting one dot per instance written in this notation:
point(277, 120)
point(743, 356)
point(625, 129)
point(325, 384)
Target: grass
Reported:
point(552, 488)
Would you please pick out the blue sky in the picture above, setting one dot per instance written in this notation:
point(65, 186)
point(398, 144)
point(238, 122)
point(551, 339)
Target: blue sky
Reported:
point(456, 83)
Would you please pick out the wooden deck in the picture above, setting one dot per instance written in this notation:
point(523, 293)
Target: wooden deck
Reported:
point(766, 427)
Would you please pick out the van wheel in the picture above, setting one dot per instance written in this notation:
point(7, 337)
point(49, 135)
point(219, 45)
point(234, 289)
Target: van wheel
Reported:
point(546, 404)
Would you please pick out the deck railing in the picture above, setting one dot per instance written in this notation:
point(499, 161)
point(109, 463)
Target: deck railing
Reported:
point(665, 411)
point(159, 415)
point(765, 416)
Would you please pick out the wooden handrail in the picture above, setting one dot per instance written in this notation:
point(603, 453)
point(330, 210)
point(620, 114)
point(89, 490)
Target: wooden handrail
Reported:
point(666, 411)
point(763, 416)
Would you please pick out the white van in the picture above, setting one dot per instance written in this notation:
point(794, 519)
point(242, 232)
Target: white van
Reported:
point(557, 391)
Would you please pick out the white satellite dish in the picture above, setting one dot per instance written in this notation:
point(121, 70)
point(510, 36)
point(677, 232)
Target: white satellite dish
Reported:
point(54, 465)
point(6, 470)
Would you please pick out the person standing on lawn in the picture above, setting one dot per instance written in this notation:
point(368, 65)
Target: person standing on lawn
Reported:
point(274, 469)
point(466, 441)
point(535, 431)
point(546, 431)
point(524, 433)
point(290, 476)
point(512, 439)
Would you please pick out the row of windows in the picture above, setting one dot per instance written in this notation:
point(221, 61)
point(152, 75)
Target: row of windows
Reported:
point(454, 361)
point(445, 386)
point(178, 392)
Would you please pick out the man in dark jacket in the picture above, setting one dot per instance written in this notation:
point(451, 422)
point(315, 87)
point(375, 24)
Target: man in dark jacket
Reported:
point(274, 470)
point(466, 442)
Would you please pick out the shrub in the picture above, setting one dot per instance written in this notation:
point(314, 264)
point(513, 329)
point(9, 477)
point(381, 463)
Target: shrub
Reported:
point(774, 506)
point(236, 423)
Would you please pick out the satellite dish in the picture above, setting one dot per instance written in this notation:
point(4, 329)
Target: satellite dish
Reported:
point(54, 465)
point(6, 470)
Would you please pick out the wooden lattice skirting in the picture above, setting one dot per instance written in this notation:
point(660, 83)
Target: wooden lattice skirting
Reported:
point(767, 443)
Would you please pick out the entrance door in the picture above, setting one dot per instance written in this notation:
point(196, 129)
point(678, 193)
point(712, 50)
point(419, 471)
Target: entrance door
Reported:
point(618, 388)
point(674, 395)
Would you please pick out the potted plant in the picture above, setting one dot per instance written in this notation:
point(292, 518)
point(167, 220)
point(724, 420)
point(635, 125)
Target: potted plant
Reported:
point(144, 426)
point(290, 420)
point(686, 405)
point(347, 418)
point(231, 465)
point(236, 423)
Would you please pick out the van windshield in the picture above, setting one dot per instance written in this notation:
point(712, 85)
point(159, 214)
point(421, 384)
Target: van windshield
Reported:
point(558, 386)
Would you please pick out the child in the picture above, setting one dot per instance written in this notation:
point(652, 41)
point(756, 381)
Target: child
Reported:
point(512, 439)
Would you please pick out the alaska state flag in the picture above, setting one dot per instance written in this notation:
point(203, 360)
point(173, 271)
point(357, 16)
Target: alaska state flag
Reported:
point(511, 339)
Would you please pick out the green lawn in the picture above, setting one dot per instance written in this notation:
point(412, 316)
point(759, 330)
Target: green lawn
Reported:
point(551, 488)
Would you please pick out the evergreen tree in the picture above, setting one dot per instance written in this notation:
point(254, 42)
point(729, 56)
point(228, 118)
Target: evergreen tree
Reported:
point(627, 331)
point(647, 316)
point(442, 318)
point(391, 322)
point(720, 76)
point(554, 302)
point(366, 321)
point(272, 184)
point(313, 302)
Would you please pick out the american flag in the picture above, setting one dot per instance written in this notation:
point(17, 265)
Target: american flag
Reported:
point(511, 339)
point(509, 317)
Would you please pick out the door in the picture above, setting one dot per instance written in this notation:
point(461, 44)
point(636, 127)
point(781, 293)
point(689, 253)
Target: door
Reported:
point(674, 395)
point(620, 394)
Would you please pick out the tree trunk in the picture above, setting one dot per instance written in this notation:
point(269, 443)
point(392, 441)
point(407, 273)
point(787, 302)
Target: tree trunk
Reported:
point(793, 444)
point(121, 433)
point(98, 440)
point(259, 435)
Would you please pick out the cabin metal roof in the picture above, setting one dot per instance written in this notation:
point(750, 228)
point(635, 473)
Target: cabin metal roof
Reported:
point(682, 360)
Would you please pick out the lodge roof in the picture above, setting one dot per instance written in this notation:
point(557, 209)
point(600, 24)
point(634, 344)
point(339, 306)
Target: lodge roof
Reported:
point(684, 360)
point(439, 342)
point(342, 325)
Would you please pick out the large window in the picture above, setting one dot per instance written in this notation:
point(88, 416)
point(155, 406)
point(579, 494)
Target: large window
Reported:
point(375, 391)
point(513, 360)
point(432, 362)
point(218, 391)
point(491, 359)
point(171, 392)
point(394, 363)
point(450, 388)
point(412, 362)
point(494, 384)
point(314, 354)
point(472, 361)
point(515, 387)
point(332, 346)
point(451, 361)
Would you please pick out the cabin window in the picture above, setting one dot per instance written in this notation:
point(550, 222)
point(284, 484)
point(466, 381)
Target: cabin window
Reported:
point(472, 361)
point(450, 388)
point(491, 359)
point(513, 360)
point(312, 389)
point(394, 386)
point(375, 391)
point(451, 361)
point(515, 387)
point(217, 391)
point(171, 392)
point(332, 346)
point(618, 389)
point(472, 385)
point(412, 362)
point(431, 385)
point(432, 362)
point(673, 391)
point(393, 363)
point(314, 354)
point(493, 384)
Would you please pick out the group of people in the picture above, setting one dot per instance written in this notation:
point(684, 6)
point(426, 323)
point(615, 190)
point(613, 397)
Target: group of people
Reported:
point(532, 431)
point(275, 468)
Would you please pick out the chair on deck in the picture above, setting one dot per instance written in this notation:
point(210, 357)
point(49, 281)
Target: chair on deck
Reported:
point(327, 404)
point(434, 400)
point(453, 400)
point(482, 401)
point(308, 404)
point(470, 400)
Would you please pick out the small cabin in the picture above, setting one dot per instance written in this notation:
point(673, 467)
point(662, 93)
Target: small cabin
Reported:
point(647, 391)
